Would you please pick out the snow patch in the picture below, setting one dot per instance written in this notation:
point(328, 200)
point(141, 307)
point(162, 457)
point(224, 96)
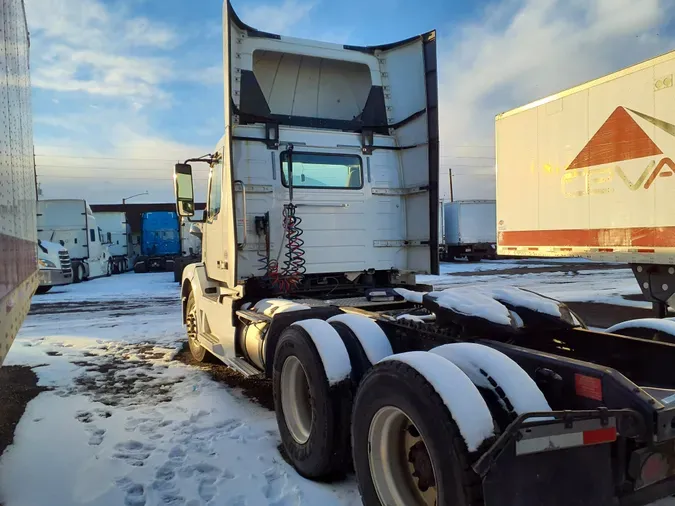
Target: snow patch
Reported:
point(525, 299)
point(472, 359)
point(372, 338)
point(666, 325)
point(465, 404)
point(471, 302)
point(331, 349)
point(409, 295)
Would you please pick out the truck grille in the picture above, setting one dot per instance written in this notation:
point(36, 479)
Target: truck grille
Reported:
point(64, 258)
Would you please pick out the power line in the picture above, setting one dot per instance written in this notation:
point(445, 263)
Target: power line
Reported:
point(88, 167)
point(469, 157)
point(103, 178)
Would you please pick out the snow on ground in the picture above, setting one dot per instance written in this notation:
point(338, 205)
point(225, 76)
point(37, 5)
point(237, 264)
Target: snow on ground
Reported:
point(126, 425)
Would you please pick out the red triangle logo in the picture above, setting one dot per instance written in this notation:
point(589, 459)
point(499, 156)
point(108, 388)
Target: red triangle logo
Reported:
point(619, 138)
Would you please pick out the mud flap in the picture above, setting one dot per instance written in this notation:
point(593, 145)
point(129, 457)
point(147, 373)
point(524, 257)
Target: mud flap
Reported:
point(580, 476)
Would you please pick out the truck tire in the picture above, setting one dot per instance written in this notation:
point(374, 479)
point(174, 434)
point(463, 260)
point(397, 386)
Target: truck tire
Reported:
point(400, 419)
point(312, 415)
point(140, 268)
point(198, 352)
point(76, 272)
point(42, 289)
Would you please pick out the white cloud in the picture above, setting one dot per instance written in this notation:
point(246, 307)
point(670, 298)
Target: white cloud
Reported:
point(519, 51)
point(278, 18)
point(86, 45)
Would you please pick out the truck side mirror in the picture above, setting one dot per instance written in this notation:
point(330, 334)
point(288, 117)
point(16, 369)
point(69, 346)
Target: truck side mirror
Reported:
point(185, 197)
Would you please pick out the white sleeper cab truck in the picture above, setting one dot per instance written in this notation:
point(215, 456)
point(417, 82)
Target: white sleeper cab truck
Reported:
point(55, 266)
point(116, 235)
point(72, 224)
point(18, 241)
point(587, 172)
point(322, 206)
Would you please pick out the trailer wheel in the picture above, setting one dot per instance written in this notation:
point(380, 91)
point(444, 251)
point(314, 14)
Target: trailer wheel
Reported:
point(312, 415)
point(198, 352)
point(407, 448)
point(42, 289)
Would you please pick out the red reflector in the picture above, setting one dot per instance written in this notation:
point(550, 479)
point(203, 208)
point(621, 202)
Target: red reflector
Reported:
point(533, 249)
point(512, 249)
point(594, 437)
point(565, 249)
point(645, 251)
point(588, 386)
point(605, 250)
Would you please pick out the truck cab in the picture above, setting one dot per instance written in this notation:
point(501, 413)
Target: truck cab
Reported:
point(325, 182)
point(55, 268)
point(160, 242)
point(72, 224)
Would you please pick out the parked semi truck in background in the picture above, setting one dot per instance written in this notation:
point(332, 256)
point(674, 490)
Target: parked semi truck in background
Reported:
point(160, 241)
point(322, 206)
point(586, 172)
point(470, 230)
point(117, 236)
point(18, 240)
point(72, 224)
point(55, 268)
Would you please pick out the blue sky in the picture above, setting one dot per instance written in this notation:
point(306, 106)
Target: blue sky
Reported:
point(122, 88)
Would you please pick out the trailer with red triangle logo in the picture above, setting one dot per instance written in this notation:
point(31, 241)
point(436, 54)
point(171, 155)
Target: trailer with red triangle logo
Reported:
point(588, 172)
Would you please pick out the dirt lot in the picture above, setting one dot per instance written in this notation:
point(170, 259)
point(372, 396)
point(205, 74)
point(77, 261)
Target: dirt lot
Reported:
point(19, 387)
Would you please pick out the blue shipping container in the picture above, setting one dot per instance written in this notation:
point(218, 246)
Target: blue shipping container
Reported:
point(160, 234)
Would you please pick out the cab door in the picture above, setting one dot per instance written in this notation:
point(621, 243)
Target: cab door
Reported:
point(219, 254)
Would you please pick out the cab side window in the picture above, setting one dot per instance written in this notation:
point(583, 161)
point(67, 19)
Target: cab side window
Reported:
point(215, 189)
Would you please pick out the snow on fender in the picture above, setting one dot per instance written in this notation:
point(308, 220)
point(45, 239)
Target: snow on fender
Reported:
point(482, 364)
point(332, 350)
point(372, 338)
point(463, 400)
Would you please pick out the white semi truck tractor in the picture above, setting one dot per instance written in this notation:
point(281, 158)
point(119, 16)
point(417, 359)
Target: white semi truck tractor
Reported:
point(322, 207)
point(18, 196)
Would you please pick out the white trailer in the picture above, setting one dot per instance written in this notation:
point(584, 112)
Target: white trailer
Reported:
point(322, 207)
point(117, 236)
point(470, 230)
point(586, 172)
point(18, 241)
point(72, 224)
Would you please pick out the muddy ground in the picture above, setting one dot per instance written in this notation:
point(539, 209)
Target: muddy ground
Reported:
point(18, 388)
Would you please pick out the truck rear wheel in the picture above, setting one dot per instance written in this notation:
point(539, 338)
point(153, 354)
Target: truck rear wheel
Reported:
point(198, 352)
point(407, 448)
point(312, 415)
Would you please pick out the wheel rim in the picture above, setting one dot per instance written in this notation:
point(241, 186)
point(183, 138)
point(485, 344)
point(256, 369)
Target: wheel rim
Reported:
point(400, 465)
point(295, 400)
point(191, 323)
